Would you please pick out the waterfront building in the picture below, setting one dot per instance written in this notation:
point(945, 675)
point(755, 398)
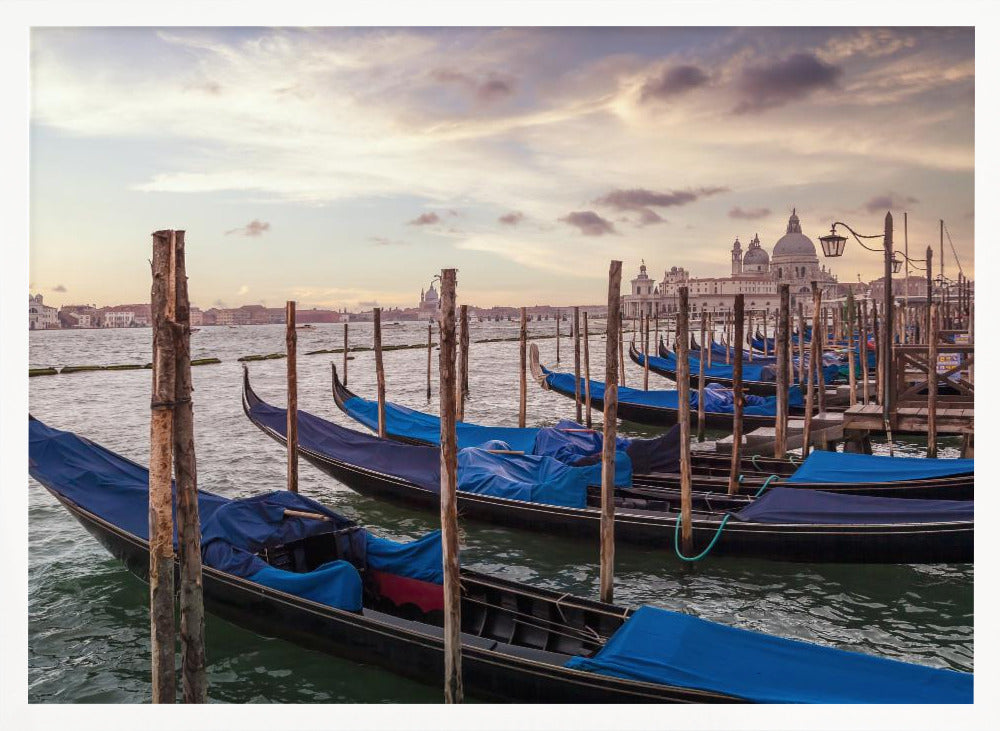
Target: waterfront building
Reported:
point(754, 273)
point(429, 301)
point(40, 315)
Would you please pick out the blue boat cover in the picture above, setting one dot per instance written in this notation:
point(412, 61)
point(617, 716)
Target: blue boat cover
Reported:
point(233, 531)
point(718, 400)
point(822, 466)
point(760, 370)
point(659, 646)
point(516, 477)
point(790, 505)
point(404, 422)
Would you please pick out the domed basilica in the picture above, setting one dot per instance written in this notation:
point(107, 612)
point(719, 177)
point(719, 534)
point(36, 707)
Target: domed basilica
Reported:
point(755, 274)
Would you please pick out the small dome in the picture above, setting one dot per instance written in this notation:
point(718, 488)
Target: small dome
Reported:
point(755, 254)
point(794, 243)
point(431, 295)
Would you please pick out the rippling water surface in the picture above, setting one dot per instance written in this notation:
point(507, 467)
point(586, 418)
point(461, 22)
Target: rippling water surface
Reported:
point(88, 621)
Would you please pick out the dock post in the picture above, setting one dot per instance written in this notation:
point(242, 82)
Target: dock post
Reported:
point(586, 369)
point(621, 351)
point(161, 528)
point(463, 361)
point(345, 353)
point(781, 351)
point(701, 377)
point(879, 347)
point(292, 410)
point(932, 390)
point(820, 332)
point(736, 457)
point(379, 370)
point(192, 607)
point(802, 346)
point(558, 319)
point(612, 351)
point(522, 409)
point(749, 337)
point(863, 349)
point(810, 380)
point(430, 347)
point(449, 496)
point(852, 378)
point(576, 365)
point(684, 415)
point(764, 319)
point(644, 341)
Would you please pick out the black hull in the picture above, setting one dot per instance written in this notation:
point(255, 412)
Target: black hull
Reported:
point(410, 649)
point(837, 543)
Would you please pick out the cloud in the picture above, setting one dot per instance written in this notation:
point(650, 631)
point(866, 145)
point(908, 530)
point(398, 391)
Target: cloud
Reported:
point(643, 201)
point(59, 288)
point(368, 303)
point(426, 219)
point(672, 82)
point(749, 214)
point(887, 201)
point(488, 89)
point(383, 241)
point(254, 228)
point(772, 85)
point(589, 223)
point(511, 219)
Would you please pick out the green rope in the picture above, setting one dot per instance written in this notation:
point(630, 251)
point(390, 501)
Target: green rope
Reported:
point(764, 486)
point(677, 548)
point(753, 461)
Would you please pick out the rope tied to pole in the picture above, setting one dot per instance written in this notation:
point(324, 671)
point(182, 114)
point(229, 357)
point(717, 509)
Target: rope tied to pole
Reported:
point(711, 544)
point(763, 487)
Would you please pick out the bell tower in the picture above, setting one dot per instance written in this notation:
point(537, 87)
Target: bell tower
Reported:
point(737, 257)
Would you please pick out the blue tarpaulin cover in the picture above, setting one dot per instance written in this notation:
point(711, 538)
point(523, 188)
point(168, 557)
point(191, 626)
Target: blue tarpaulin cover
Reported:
point(419, 559)
point(659, 646)
point(761, 370)
point(822, 466)
point(717, 400)
point(483, 473)
point(115, 489)
point(791, 505)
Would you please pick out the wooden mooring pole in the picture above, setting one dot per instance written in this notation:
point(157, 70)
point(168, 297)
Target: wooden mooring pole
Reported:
point(379, 370)
point(737, 453)
point(684, 416)
point(430, 347)
point(161, 523)
point(612, 349)
point(576, 365)
point(194, 682)
point(522, 408)
point(463, 361)
point(802, 346)
point(701, 376)
point(346, 349)
point(811, 373)
point(292, 409)
point(621, 350)
point(586, 369)
point(784, 367)
point(851, 360)
point(932, 390)
point(558, 319)
point(449, 498)
point(863, 350)
point(644, 336)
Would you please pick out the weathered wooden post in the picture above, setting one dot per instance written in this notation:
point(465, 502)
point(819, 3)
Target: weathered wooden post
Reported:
point(819, 340)
point(879, 365)
point(932, 389)
point(621, 350)
point(379, 369)
point(851, 375)
point(522, 408)
point(783, 364)
point(463, 361)
point(292, 409)
point(701, 376)
point(684, 416)
point(192, 609)
point(576, 365)
point(161, 522)
point(430, 347)
point(644, 339)
point(737, 453)
point(863, 349)
point(612, 351)
point(346, 348)
point(811, 377)
point(802, 346)
point(586, 368)
point(558, 319)
point(449, 498)
point(749, 337)
point(764, 320)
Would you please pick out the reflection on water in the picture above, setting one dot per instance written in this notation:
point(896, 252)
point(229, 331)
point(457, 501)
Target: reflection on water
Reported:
point(88, 620)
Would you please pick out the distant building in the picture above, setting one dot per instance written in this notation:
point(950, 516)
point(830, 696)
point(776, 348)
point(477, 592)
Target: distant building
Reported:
point(753, 273)
point(79, 316)
point(40, 315)
point(197, 317)
point(125, 316)
point(430, 303)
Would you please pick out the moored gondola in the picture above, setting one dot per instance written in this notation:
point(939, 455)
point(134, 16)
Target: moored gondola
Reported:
point(286, 566)
point(656, 462)
point(784, 524)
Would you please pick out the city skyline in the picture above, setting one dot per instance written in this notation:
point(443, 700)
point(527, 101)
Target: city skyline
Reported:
point(341, 168)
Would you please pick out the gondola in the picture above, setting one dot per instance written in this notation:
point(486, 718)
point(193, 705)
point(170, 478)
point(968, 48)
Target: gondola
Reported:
point(283, 565)
point(656, 462)
point(784, 524)
point(654, 408)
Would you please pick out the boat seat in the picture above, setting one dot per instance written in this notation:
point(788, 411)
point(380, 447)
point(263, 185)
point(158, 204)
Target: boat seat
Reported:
point(530, 653)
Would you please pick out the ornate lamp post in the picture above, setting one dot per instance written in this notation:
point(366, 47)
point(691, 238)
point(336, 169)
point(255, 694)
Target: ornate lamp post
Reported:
point(833, 245)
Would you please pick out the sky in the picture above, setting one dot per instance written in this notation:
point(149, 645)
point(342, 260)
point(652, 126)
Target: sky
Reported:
point(346, 167)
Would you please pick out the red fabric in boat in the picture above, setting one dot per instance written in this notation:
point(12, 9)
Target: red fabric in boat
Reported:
point(403, 590)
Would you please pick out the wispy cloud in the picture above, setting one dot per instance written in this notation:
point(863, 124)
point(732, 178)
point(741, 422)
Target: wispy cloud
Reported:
point(749, 214)
point(643, 201)
point(384, 241)
point(774, 84)
point(511, 219)
point(887, 201)
point(59, 288)
point(673, 81)
point(589, 223)
point(254, 228)
point(493, 87)
point(426, 219)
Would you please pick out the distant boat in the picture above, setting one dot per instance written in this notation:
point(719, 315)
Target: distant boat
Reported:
point(303, 327)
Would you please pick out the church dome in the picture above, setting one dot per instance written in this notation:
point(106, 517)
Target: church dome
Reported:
point(432, 295)
point(756, 255)
point(794, 243)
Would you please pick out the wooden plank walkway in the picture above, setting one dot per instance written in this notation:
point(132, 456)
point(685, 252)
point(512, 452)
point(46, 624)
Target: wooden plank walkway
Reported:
point(910, 420)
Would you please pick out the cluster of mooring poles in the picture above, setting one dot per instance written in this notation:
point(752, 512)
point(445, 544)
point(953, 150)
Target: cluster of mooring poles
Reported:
point(172, 444)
